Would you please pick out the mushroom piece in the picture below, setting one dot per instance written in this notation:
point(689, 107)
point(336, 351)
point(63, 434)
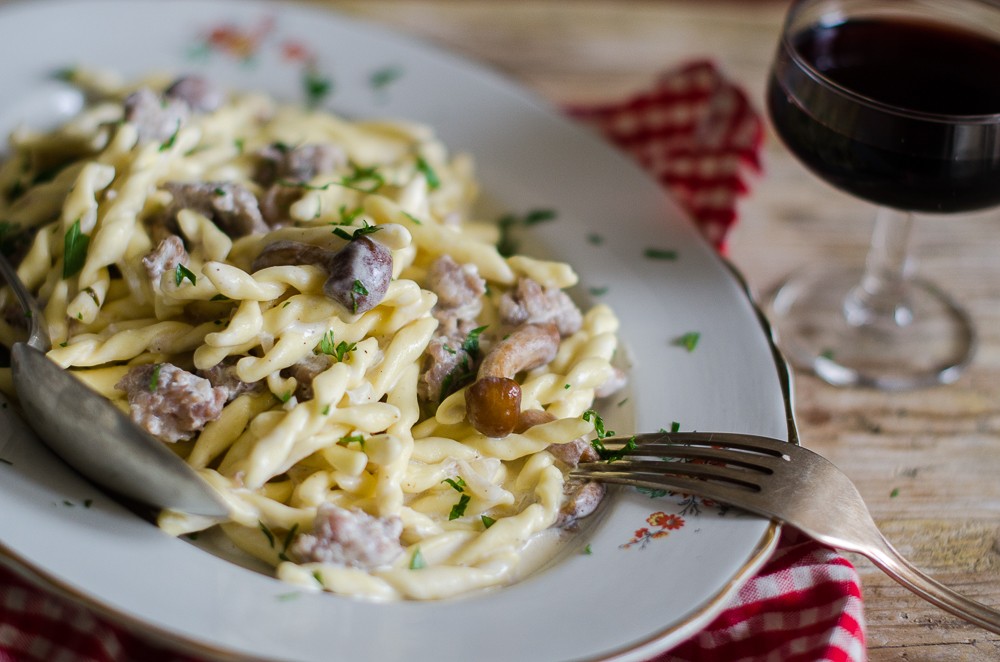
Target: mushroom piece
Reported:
point(493, 401)
point(358, 274)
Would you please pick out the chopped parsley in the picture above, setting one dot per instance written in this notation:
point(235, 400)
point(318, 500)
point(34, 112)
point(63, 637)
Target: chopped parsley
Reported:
point(598, 291)
point(316, 87)
point(75, 245)
point(365, 180)
point(587, 550)
point(612, 456)
point(894, 493)
point(359, 232)
point(358, 439)
point(651, 492)
point(595, 239)
point(603, 433)
point(592, 416)
point(688, 341)
point(181, 273)
point(272, 541)
point(358, 289)
point(458, 510)
point(347, 216)
point(433, 181)
point(417, 561)
point(487, 521)
point(338, 351)
point(284, 397)
point(154, 379)
point(458, 484)
point(660, 254)
point(382, 78)
point(412, 218)
point(169, 142)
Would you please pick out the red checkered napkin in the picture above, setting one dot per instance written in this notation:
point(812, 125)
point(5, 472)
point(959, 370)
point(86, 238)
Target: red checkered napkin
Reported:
point(698, 135)
point(804, 605)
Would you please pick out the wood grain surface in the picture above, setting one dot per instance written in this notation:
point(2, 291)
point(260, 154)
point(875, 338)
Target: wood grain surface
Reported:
point(928, 461)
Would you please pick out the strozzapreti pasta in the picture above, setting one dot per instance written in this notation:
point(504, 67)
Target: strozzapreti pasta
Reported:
point(306, 310)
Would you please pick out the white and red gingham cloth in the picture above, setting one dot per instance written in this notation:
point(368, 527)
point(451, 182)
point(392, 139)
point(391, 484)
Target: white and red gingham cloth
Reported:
point(699, 136)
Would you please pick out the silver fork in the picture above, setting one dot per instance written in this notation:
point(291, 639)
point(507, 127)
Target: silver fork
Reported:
point(779, 480)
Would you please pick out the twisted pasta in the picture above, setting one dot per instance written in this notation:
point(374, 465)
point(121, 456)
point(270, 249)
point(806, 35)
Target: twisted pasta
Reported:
point(300, 303)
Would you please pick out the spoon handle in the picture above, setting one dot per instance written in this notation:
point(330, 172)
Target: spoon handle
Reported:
point(38, 336)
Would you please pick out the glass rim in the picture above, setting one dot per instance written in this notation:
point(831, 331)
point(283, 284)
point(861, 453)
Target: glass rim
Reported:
point(787, 44)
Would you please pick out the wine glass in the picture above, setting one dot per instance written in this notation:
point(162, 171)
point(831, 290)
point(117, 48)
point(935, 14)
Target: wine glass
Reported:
point(896, 102)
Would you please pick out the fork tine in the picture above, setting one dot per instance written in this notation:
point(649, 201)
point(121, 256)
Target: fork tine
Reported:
point(747, 442)
point(711, 455)
point(735, 495)
point(744, 476)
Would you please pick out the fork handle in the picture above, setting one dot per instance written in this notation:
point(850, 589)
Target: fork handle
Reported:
point(896, 566)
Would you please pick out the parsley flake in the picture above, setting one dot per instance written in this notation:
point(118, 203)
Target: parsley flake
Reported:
point(433, 181)
point(338, 351)
point(382, 78)
point(357, 289)
point(660, 254)
point(417, 561)
point(181, 273)
point(359, 232)
point(154, 379)
point(457, 484)
point(316, 87)
point(75, 245)
point(894, 493)
point(487, 521)
point(587, 550)
point(688, 341)
point(169, 142)
point(355, 438)
point(458, 510)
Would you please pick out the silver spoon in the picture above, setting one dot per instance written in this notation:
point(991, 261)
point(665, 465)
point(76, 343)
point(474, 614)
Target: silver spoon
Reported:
point(91, 434)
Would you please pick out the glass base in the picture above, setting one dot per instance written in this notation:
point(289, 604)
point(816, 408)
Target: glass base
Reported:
point(927, 340)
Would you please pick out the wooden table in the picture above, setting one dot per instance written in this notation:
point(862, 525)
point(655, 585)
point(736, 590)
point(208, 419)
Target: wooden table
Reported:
point(927, 462)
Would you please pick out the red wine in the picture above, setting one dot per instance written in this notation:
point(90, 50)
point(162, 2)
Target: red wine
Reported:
point(899, 114)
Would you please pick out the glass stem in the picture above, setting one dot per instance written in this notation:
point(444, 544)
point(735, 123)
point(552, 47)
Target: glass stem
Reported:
point(880, 300)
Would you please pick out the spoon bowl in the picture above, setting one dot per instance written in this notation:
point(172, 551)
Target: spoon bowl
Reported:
point(92, 435)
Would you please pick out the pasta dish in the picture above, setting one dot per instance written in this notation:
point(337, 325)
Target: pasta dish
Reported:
point(306, 309)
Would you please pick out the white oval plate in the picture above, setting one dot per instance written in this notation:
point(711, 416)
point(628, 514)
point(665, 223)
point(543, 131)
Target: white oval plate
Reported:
point(643, 577)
